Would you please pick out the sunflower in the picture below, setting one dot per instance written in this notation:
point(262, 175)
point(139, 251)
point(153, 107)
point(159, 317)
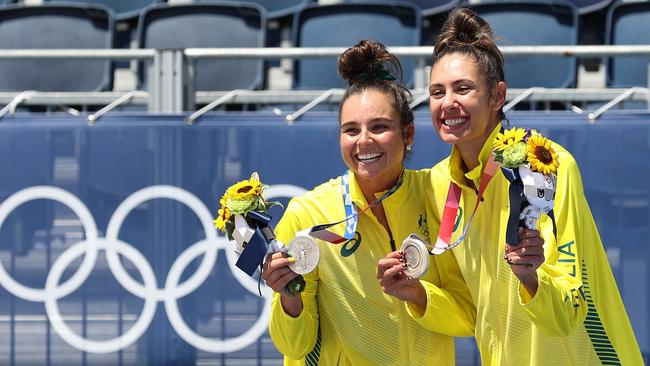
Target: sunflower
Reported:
point(509, 137)
point(541, 156)
point(224, 215)
point(243, 189)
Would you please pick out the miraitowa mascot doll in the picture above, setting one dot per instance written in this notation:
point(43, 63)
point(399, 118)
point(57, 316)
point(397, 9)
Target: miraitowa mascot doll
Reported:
point(530, 164)
point(539, 191)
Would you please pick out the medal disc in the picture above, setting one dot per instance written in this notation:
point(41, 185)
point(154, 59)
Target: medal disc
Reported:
point(416, 256)
point(306, 252)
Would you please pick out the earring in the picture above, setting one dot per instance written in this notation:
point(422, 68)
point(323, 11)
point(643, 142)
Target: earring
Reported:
point(408, 147)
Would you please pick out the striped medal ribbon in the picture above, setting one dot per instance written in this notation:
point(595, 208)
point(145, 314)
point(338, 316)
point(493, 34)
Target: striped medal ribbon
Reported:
point(351, 214)
point(451, 208)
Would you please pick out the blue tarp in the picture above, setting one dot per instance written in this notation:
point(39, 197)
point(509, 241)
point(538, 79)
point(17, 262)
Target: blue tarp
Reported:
point(153, 182)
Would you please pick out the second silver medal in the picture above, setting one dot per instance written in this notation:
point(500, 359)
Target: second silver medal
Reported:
point(416, 256)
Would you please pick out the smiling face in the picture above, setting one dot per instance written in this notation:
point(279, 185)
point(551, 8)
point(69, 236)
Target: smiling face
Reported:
point(463, 110)
point(371, 138)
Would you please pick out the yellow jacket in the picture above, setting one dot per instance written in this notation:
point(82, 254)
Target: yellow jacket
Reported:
point(575, 282)
point(347, 319)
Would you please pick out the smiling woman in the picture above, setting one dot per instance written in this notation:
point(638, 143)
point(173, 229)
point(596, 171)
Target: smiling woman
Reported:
point(372, 141)
point(345, 316)
point(533, 306)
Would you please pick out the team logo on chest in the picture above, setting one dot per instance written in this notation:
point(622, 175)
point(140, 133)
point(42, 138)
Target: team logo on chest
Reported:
point(423, 228)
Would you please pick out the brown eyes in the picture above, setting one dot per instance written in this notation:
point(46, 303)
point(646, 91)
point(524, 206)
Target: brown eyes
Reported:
point(462, 90)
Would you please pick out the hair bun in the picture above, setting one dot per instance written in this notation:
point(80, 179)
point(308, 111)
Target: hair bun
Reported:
point(464, 28)
point(466, 33)
point(368, 60)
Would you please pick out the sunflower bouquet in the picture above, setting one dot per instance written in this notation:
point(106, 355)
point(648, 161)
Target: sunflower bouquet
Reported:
point(530, 163)
point(240, 199)
point(243, 217)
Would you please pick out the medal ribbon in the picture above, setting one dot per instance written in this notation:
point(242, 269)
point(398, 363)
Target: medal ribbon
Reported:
point(351, 214)
point(451, 208)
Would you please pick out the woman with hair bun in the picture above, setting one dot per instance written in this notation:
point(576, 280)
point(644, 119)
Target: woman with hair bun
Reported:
point(550, 301)
point(344, 317)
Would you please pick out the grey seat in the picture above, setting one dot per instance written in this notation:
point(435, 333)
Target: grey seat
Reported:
point(343, 25)
point(123, 9)
point(628, 24)
point(274, 8)
point(427, 7)
point(55, 26)
point(209, 25)
point(589, 6)
point(531, 22)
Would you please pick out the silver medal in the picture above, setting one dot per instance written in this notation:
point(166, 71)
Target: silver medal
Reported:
point(306, 252)
point(416, 256)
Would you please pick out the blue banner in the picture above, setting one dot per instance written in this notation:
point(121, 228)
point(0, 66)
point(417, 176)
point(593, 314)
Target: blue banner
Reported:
point(108, 254)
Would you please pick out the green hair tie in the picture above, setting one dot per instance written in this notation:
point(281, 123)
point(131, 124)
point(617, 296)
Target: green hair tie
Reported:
point(377, 72)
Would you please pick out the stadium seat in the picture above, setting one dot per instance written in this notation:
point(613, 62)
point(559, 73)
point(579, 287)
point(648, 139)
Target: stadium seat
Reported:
point(343, 25)
point(628, 23)
point(274, 8)
point(205, 26)
point(430, 7)
point(55, 26)
point(427, 7)
point(520, 23)
point(589, 6)
point(123, 9)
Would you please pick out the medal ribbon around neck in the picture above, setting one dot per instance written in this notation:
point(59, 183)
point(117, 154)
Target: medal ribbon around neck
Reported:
point(351, 214)
point(451, 208)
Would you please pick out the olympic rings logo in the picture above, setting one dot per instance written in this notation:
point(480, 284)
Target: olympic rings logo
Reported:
point(148, 290)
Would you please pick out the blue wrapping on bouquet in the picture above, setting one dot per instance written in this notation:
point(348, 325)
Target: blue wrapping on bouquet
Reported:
point(256, 248)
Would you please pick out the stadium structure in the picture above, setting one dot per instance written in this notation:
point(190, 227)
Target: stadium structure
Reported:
point(122, 122)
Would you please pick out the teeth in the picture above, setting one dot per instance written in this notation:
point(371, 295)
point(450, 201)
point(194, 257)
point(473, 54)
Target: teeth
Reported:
point(454, 121)
point(366, 157)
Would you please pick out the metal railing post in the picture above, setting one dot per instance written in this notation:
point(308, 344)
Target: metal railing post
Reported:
point(169, 82)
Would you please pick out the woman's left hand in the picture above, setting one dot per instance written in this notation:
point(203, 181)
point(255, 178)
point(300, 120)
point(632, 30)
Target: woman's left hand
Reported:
point(525, 258)
point(394, 282)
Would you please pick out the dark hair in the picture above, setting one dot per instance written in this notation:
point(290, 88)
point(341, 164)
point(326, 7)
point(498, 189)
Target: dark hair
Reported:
point(467, 33)
point(368, 65)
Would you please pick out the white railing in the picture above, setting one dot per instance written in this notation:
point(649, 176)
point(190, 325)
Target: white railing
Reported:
point(422, 51)
point(168, 91)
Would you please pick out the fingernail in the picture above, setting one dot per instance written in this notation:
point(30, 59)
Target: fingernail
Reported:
point(291, 260)
point(404, 265)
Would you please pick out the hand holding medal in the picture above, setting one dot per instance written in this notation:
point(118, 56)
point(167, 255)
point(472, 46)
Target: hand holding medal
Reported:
point(243, 218)
point(415, 250)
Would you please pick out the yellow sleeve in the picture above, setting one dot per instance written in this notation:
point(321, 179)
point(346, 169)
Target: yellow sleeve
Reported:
point(295, 337)
point(580, 252)
point(559, 304)
point(450, 309)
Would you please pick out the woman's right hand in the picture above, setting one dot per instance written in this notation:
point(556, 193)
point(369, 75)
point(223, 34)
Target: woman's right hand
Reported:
point(394, 282)
point(277, 274)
